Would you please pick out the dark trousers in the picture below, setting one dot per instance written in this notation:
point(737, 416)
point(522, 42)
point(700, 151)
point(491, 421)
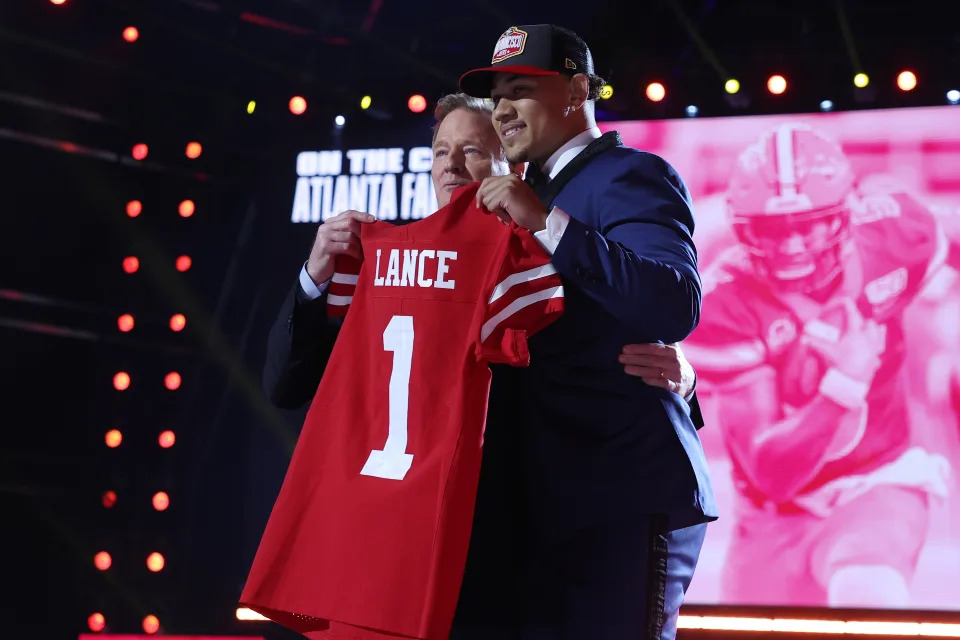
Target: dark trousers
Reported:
point(622, 581)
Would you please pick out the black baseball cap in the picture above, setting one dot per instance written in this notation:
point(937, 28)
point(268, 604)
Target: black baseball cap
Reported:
point(531, 50)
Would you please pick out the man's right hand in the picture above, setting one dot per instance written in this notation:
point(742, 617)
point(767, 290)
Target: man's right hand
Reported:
point(340, 235)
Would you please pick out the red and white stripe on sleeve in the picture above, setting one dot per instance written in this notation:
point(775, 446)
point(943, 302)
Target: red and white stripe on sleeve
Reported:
point(346, 273)
point(527, 296)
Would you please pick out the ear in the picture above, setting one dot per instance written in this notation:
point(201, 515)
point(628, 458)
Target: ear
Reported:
point(579, 90)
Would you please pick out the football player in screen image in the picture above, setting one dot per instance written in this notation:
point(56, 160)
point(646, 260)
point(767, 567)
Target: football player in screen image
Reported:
point(802, 350)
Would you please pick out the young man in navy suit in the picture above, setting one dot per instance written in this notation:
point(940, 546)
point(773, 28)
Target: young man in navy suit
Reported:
point(616, 493)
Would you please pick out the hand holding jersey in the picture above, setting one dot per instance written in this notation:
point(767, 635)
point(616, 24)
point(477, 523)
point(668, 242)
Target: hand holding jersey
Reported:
point(511, 198)
point(337, 236)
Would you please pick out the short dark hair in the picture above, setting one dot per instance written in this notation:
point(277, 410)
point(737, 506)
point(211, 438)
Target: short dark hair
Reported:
point(596, 83)
point(580, 50)
point(454, 101)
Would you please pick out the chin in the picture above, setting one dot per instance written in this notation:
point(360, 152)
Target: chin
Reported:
point(515, 156)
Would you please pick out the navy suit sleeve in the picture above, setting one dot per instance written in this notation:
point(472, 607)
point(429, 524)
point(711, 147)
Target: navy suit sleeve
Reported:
point(641, 265)
point(298, 349)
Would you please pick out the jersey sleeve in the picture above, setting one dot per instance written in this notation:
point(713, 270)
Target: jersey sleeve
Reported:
point(524, 294)
point(346, 273)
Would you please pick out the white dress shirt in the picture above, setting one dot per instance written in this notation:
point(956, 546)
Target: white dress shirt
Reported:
point(557, 220)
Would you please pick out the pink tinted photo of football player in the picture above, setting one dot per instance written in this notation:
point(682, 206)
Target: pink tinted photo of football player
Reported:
point(802, 344)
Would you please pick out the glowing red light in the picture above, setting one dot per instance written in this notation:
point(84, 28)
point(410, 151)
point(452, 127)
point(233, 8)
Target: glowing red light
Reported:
point(776, 85)
point(134, 207)
point(96, 621)
point(297, 105)
point(166, 439)
point(102, 561)
point(907, 81)
point(125, 322)
point(172, 381)
point(130, 34)
point(186, 208)
point(131, 264)
point(109, 499)
point(155, 562)
point(417, 103)
point(113, 438)
point(139, 151)
point(121, 381)
point(178, 322)
point(184, 263)
point(194, 149)
point(161, 501)
point(656, 92)
point(151, 624)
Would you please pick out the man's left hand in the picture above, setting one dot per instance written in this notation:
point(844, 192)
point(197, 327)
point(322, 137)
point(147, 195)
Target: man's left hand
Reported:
point(659, 365)
point(511, 198)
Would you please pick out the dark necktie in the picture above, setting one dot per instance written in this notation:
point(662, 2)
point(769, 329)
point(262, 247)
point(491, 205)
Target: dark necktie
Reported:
point(537, 180)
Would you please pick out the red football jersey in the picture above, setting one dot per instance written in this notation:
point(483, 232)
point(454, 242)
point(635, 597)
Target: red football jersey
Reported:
point(368, 537)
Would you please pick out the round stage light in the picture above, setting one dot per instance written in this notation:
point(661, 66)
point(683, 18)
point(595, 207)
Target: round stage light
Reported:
point(113, 438)
point(155, 562)
point(161, 501)
point(96, 621)
point(186, 208)
point(656, 92)
point(194, 149)
point(172, 381)
point(131, 34)
point(953, 96)
point(166, 439)
point(121, 381)
point(606, 91)
point(907, 81)
point(125, 322)
point(102, 561)
point(692, 111)
point(184, 263)
point(861, 80)
point(297, 105)
point(139, 151)
point(826, 105)
point(134, 208)
point(731, 86)
point(417, 103)
point(151, 624)
point(131, 264)
point(776, 84)
point(365, 102)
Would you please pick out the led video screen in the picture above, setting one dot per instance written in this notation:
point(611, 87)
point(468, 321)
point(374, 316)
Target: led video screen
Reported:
point(828, 353)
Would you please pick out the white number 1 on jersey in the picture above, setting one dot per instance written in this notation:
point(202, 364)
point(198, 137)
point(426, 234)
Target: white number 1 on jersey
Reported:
point(392, 462)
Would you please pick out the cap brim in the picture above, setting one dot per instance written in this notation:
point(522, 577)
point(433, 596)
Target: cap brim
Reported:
point(479, 82)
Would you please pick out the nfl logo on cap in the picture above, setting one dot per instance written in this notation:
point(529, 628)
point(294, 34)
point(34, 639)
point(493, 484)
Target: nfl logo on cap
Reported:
point(510, 44)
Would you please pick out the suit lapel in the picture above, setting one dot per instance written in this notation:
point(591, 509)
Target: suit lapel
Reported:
point(605, 142)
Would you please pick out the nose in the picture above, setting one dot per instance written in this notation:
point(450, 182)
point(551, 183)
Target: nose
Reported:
point(504, 111)
point(453, 162)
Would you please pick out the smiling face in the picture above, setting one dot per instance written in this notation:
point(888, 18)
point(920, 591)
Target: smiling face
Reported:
point(535, 115)
point(465, 150)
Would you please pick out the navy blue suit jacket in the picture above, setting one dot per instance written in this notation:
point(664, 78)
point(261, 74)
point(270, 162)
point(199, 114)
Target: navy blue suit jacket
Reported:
point(600, 445)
